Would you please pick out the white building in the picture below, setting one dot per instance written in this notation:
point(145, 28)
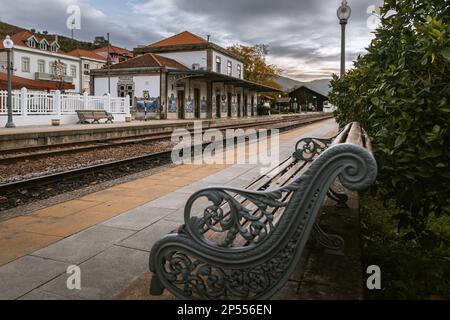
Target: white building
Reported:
point(34, 58)
point(182, 77)
point(88, 60)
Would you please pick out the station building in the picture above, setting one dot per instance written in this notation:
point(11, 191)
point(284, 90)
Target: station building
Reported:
point(182, 77)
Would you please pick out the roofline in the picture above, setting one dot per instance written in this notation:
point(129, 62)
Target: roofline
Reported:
point(306, 87)
point(140, 70)
point(187, 47)
point(225, 77)
point(43, 52)
point(178, 34)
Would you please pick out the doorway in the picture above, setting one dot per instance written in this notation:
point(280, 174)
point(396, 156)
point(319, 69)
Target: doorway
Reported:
point(197, 103)
point(245, 106)
point(181, 104)
point(253, 106)
point(239, 111)
point(218, 105)
point(229, 100)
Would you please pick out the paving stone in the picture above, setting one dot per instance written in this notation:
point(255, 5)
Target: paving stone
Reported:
point(174, 200)
point(105, 275)
point(194, 187)
point(84, 245)
point(289, 292)
point(139, 290)
point(197, 210)
point(145, 239)
point(27, 273)
point(139, 218)
point(39, 295)
point(14, 245)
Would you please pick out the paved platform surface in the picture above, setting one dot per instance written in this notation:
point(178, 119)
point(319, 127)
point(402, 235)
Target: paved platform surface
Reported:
point(109, 234)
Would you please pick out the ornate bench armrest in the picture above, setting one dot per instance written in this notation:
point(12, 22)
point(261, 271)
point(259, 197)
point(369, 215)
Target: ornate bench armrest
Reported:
point(215, 220)
point(307, 149)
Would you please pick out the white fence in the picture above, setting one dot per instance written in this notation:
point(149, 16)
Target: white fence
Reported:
point(36, 107)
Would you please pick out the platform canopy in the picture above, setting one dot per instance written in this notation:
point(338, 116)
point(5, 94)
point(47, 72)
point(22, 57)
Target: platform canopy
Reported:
point(203, 75)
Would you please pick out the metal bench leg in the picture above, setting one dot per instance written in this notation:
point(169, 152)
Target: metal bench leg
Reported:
point(156, 287)
point(340, 197)
point(332, 244)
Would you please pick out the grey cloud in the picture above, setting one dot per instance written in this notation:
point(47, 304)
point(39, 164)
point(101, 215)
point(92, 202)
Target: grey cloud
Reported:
point(306, 30)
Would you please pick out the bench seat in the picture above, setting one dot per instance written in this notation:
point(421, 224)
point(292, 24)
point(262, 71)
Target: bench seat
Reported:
point(85, 116)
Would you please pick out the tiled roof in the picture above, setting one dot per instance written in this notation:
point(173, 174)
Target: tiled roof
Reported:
point(20, 82)
point(21, 38)
point(87, 54)
point(116, 50)
point(149, 60)
point(184, 38)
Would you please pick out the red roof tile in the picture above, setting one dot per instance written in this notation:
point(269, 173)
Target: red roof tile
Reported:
point(149, 60)
point(86, 53)
point(116, 50)
point(19, 82)
point(183, 38)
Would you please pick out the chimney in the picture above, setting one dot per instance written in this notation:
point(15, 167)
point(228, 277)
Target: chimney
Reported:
point(56, 38)
point(33, 31)
point(208, 37)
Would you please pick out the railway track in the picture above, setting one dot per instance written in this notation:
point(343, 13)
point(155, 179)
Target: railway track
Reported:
point(33, 153)
point(21, 192)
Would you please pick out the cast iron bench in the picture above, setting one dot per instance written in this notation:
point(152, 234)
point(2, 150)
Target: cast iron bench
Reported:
point(94, 115)
point(247, 243)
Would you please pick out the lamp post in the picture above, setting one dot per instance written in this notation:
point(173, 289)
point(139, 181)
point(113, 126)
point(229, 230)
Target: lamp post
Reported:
point(8, 44)
point(344, 12)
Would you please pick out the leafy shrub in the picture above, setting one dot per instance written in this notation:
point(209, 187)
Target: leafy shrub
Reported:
point(400, 92)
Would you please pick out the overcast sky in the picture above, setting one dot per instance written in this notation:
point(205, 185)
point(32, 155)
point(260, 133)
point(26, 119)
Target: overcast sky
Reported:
point(303, 35)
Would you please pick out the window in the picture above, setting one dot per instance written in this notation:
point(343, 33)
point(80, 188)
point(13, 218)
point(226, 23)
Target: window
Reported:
point(43, 46)
point(64, 69)
point(239, 69)
point(86, 66)
point(25, 64)
point(32, 43)
point(54, 47)
point(41, 66)
point(73, 71)
point(229, 68)
point(51, 67)
point(218, 64)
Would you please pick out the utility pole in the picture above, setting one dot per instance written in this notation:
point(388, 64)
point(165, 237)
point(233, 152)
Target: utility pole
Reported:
point(108, 62)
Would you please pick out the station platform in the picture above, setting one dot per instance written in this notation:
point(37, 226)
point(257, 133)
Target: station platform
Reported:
point(109, 234)
point(36, 136)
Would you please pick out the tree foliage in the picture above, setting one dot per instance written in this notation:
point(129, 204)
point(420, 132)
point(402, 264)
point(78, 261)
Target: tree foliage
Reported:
point(400, 91)
point(256, 68)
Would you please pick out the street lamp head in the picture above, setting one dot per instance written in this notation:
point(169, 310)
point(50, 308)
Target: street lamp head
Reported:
point(344, 12)
point(8, 43)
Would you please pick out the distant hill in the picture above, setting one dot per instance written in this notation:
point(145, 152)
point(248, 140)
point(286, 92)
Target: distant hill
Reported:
point(67, 44)
point(321, 86)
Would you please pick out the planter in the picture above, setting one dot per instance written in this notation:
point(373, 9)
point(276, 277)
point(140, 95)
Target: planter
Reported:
point(127, 119)
point(56, 122)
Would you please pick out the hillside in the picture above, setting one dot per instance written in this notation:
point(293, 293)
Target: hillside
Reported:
point(321, 86)
point(67, 44)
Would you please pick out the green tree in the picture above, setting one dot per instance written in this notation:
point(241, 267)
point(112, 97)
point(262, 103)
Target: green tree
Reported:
point(400, 91)
point(256, 68)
